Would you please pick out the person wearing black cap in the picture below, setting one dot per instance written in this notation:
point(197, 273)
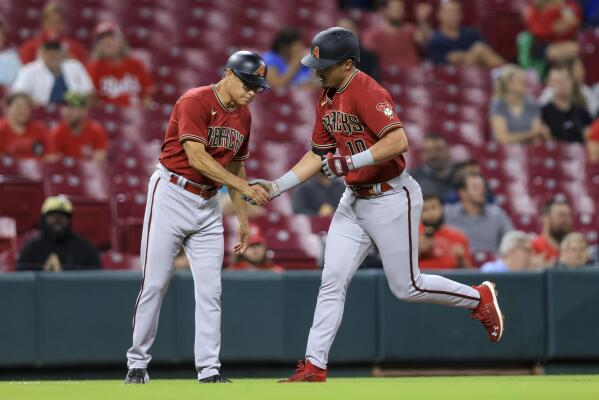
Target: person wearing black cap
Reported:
point(380, 207)
point(206, 143)
point(49, 77)
point(57, 247)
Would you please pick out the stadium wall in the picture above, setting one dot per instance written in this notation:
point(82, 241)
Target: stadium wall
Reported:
point(84, 318)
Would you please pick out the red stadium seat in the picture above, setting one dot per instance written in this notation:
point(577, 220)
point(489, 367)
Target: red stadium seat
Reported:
point(320, 225)
point(22, 200)
point(115, 260)
point(91, 219)
point(8, 234)
point(128, 183)
point(481, 257)
point(589, 48)
point(128, 213)
point(130, 205)
point(127, 238)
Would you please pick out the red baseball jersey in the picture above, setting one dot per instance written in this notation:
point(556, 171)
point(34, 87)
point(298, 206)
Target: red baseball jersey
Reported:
point(201, 116)
point(78, 145)
point(29, 144)
point(352, 119)
point(441, 255)
point(123, 83)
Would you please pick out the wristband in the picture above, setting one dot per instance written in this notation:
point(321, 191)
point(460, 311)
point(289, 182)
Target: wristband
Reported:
point(362, 159)
point(286, 182)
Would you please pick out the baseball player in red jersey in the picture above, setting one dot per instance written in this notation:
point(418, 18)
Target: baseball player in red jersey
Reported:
point(381, 205)
point(205, 145)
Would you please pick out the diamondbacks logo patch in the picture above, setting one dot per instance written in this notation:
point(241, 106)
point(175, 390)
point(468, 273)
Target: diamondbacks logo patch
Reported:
point(260, 71)
point(386, 109)
point(316, 52)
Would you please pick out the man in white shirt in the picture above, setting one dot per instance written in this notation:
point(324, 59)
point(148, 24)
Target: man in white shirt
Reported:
point(51, 75)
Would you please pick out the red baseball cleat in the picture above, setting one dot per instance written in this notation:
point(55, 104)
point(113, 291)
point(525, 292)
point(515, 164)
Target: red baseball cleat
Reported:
point(307, 373)
point(488, 311)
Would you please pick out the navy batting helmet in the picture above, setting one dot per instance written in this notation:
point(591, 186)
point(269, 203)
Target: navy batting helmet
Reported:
point(249, 67)
point(331, 46)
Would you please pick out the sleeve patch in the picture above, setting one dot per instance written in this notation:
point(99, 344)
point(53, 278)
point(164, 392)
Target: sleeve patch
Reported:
point(386, 109)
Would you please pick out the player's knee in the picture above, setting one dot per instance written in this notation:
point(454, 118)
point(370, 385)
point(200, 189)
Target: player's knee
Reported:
point(334, 281)
point(211, 293)
point(155, 288)
point(403, 291)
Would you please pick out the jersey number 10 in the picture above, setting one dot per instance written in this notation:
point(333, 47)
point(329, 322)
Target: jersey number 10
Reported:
point(356, 146)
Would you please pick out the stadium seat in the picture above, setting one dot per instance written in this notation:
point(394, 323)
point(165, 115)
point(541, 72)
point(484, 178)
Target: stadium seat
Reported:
point(320, 225)
point(13, 192)
point(116, 260)
point(91, 219)
point(481, 257)
point(589, 48)
point(127, 220)
point(8, 234)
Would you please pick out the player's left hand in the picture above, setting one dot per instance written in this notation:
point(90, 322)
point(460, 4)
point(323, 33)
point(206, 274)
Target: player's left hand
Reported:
point(335, 166)
point(244, 233)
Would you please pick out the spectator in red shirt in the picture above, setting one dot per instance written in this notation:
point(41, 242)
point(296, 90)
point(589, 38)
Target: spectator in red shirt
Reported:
point(553, 24)
point(19, 135)
point(255, 258)
point(52, 24)
point(593, 142)
point(557, 223)
point(118, 77)
point(77, 136)
point(395, 41)
point(440, 246)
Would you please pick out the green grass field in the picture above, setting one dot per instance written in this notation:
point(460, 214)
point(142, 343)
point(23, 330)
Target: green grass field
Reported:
point(571, 387)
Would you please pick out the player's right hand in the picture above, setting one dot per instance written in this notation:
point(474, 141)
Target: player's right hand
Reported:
point(255, 194)
point(271, 187)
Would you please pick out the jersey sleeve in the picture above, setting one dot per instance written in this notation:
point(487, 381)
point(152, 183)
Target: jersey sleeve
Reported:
point(322, 140)
point(376, 110)
point(244, 150)
point(193, 120)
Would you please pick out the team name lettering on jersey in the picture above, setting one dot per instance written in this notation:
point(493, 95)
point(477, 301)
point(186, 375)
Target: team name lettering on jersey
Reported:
point(114, 87)
point(222, 136)
point(340, 122)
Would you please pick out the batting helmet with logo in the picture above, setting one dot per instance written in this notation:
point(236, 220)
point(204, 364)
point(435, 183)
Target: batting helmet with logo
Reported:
point(331, 46)
point(249, 67)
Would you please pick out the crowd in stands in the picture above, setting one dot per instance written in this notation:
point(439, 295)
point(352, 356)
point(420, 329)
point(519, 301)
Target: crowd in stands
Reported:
point(496, 132)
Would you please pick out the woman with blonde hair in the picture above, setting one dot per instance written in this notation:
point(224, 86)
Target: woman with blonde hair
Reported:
point(514, 116)
point(119, 78)
point(573, 251)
